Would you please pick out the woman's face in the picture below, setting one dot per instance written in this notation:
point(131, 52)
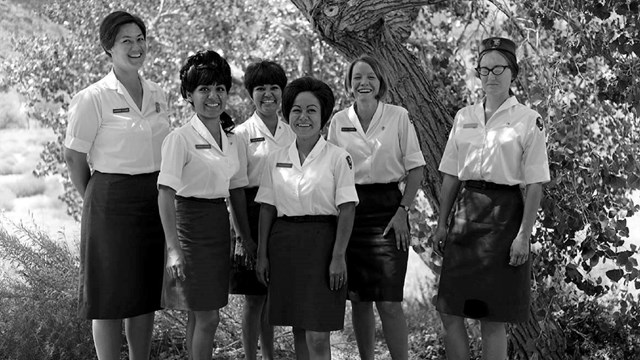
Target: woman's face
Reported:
point(267, 98)
point(364, 81)
point(305, 117)
point(129, 49)
point(209, 101)
point(492, 84)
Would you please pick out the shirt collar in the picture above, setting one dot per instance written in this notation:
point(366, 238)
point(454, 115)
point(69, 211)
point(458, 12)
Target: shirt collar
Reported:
point(202, 130)
point(479, 107)
point(353, 116)
point(314, 153)
point(112, 82)
point(262, 127)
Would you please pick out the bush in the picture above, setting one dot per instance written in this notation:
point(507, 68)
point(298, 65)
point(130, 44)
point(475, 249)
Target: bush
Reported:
point(27, 185)
point(11, 114)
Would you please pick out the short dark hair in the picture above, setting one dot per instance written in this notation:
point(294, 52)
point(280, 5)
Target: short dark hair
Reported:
point(111, 25)
point(377, 69)
point(319, 89)
point(264, 72)
point(206, 67)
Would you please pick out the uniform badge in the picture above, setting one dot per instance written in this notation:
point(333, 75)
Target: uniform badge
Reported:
point(121, 110)
point(157, 107)
point(470, 125)
point(284, 165)
point(349, 162)
point(349, 129)
point(203, 146)
point(495, 43)
point(539, 124)
point(256, 139)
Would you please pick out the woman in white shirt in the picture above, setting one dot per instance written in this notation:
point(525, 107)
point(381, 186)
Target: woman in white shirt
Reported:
point(112, 150)
point(308, 200)
point(385, 149)
point(494, 147)
point(199, 167)
point(260, 135)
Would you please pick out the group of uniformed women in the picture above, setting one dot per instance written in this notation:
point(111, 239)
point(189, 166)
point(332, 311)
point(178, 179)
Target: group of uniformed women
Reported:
point(318, 221)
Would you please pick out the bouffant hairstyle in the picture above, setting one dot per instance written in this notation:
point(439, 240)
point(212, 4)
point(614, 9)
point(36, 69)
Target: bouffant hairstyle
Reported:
point(206, 67)
point(377, 69)
point(111, 25)
point(319, 89)
point(264, 72)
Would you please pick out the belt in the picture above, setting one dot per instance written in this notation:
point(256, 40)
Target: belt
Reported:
point(377, 187)
point(197, 199)
point(485, 185)
point(309, 218)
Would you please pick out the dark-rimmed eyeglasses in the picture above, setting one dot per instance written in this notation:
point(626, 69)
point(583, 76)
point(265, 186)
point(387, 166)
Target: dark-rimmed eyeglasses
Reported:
point(496, 70)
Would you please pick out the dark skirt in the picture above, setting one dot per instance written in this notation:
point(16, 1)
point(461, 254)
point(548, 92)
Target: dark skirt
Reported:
point(376, 268)
point(243, 279)
point(204, 236)
point(477, 280)
point(300, 251)
point(121, 247)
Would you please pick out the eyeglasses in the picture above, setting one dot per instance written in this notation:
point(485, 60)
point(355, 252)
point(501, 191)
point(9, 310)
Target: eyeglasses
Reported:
point(496, 70)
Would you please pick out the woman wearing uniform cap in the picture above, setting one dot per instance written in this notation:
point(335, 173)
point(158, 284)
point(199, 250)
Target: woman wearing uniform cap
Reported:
point(200, 168)
point(385, 149)
point(308, 202)
point(112, 150)
point(260, 135)
point(494, 147)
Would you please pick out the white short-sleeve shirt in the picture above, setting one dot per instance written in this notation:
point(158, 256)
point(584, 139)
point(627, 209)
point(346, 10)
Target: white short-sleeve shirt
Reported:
point(509, 149)
point(195, 166)
point(255, 143)
point(105, 123)
point(388, 149)
point(317, 187)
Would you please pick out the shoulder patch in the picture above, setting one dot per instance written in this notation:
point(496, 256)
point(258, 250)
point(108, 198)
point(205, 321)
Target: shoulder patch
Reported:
point(349, 162)
point(539, 124)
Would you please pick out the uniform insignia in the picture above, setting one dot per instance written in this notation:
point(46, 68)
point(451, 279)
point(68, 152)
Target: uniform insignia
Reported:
point(121, 110)
point(284, 165)
point(256, 139)
point(349, 129)
point(495, 43)
point(349, 162)
point(157, 107)
point(203, 146)
point(470, 125)
point(539, 124)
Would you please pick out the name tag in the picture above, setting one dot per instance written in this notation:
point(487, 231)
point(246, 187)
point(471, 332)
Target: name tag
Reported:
point(203, 146)
point(349, 129)
point(284, 165)
point(123, 110)
point(470, 126)
point(157, 107)
point(256, 139)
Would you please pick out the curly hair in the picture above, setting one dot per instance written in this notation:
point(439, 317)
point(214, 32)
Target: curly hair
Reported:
point(206, 67)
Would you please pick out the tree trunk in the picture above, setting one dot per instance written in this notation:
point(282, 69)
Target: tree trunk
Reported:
point(380, 28)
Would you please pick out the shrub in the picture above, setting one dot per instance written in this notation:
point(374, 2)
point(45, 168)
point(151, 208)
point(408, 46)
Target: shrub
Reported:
point(11, 114)
point(27, 185)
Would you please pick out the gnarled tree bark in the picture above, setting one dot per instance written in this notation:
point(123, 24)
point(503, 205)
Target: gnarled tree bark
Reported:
point(380, 28)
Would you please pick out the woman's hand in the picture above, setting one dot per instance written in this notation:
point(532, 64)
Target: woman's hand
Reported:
point(519, 252)
point(439, 240)
point(175, 264)
point(262, 270)
point(337, 272)
point(250, 251)
point(400, 225)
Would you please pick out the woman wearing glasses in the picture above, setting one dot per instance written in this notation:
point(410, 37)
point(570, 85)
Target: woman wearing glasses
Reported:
point(494, 148)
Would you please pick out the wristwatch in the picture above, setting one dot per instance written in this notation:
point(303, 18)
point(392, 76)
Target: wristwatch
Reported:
point(405, 207)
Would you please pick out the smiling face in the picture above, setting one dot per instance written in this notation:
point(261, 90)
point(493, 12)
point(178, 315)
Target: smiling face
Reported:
point(496, 85)
point(209, 101)
point(267, 98)
point(364, 81)
point(129, 49)
point(305, 117)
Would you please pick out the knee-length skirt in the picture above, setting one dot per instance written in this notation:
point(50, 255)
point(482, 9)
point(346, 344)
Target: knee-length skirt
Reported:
point(205, 238)
point(300, 251)
point(121, 247)
point(476, 279)
point(376, 268)
point(243, 279)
